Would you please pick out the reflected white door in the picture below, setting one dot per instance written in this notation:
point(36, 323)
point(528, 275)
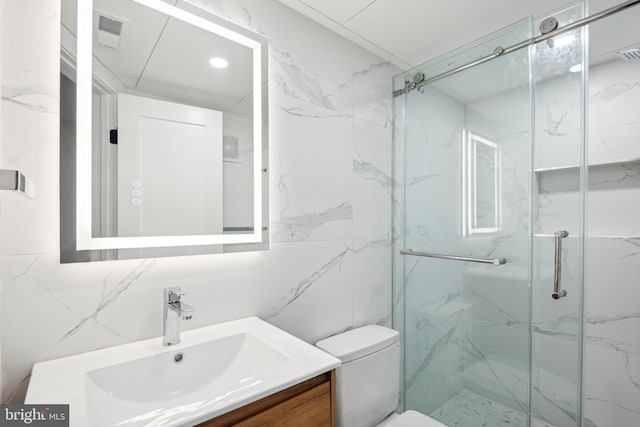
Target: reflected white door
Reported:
point(169, 168)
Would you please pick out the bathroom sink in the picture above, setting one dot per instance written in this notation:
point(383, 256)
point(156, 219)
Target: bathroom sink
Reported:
point(221, 362)
point(214, 370)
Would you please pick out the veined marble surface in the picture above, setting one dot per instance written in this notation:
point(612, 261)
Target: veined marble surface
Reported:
point(469, 409)
point(328, 268)
point(457, 326)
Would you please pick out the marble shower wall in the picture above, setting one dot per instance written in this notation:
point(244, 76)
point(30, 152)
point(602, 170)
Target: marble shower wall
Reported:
point(612, 314)
point(556, 352)
point(329, 264)
point(498, 339)
point(611, 372)
point(433, 305)
point(465, 324)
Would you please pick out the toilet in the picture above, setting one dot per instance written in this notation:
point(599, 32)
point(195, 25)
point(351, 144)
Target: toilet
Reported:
point(368, 381)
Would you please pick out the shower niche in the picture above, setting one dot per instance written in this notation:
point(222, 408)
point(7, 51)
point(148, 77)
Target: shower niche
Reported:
point(613, 155)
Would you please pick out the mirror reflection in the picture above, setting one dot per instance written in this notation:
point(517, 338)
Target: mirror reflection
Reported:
point(173, 126)
point(481, 185)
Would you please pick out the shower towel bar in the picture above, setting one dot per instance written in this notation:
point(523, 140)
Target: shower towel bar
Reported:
point(494, 261)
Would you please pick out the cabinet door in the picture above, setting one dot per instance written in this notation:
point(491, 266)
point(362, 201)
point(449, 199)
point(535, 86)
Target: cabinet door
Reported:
point(311, 403)
point(309, 409)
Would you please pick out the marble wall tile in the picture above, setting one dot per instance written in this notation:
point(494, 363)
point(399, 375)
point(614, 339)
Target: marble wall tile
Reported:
point(614, 144)
point(30, 92)
point(611, 371)
point(370, 274)
point(372, 182)
point(612, 320)
point(312, 161)
point(558, 121)
point(557, 205)
point(328, 268)
point(611, 316)
point(434, 338)
point(372, 86)
point(434, 308)
point(463, 321)
point(432, 162)
point(614, 95)
point(612, 386)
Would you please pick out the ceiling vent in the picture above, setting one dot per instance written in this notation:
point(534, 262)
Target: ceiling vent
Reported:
point(109, 30)
point(629, 54)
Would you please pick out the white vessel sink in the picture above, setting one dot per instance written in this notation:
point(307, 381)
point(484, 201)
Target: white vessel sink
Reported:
point(214, 370)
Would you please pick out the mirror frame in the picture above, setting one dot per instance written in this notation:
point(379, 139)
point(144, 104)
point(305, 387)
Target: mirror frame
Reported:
point(84, 79)
point(469, 184)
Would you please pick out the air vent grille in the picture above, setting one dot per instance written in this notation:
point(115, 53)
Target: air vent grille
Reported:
point(230, 148)
point(630, 54)
point(110, 25)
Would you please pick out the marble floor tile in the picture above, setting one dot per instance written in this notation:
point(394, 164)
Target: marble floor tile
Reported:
point(469, 409)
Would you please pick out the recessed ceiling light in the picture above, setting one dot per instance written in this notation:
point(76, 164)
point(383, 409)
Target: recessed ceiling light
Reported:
point(217, 62)
point(576, 68)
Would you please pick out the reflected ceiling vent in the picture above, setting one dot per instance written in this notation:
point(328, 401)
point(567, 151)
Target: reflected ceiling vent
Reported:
point(109, 30)
point(629, 54)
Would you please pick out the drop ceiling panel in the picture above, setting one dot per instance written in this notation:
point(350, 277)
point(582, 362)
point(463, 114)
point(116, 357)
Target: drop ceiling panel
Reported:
point(340, 11)
point(617, 32)
point(179, 68)
point(142, 28)
point(419, 30)
point(409, 32)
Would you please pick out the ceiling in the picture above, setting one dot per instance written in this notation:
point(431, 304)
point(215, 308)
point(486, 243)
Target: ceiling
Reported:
point(168, 59)
point(410, 32)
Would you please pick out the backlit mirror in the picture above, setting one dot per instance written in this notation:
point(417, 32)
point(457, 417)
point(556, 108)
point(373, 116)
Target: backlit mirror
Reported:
point(482, 204)
point(163, 131)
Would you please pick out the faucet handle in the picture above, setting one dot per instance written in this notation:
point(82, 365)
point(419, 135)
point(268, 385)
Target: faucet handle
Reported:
point(173, 294)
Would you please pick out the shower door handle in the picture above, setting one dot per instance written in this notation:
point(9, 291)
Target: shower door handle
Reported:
point(558, 292)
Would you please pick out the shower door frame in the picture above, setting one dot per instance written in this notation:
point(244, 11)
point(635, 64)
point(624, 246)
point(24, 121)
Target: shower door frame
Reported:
point(399, 107)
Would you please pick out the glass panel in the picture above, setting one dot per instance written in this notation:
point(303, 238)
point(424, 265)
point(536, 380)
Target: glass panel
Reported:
point(481, 165)
point(612, 322)
point(558, 206)
point(464, 170)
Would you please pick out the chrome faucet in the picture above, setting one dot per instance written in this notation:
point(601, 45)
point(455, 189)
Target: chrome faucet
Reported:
point(174, 310)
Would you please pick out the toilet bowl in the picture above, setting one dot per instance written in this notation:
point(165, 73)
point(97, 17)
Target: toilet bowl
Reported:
point(368, 380)
point(409, 419)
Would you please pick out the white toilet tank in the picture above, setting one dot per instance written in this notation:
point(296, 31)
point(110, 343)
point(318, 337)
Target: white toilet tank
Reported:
point(368, 381)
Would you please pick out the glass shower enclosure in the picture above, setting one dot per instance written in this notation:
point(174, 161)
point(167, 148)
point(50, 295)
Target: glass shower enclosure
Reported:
point(488, 244)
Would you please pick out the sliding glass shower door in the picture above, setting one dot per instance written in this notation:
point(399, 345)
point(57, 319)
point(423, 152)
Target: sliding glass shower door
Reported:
point(479, 241)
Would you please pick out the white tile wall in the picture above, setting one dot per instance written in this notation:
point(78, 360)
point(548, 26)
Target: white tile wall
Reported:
point(3, 270)
point(612, 313)
point(611, 377)
point(329, 265)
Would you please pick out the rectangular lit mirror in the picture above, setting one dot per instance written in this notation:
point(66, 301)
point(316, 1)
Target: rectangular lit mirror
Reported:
point(481, 183)
point(164, 121)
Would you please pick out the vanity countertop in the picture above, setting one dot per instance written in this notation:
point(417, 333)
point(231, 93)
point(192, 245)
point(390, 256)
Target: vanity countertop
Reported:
point(214, 370)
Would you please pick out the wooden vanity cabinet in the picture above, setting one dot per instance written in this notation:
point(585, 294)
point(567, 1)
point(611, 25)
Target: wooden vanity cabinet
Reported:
point(311, 403)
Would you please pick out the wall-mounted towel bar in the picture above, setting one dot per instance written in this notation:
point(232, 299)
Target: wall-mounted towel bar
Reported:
point(240, 229)
point(493, 261)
